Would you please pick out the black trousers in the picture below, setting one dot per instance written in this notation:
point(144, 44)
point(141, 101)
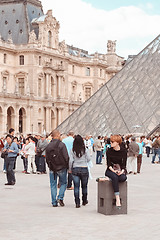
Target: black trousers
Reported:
point(9, 168)
point(115, 179)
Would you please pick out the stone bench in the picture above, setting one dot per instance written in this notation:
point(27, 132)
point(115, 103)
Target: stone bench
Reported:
point(106, 197)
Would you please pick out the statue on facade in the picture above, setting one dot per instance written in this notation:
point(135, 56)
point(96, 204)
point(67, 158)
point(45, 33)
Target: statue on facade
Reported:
point(111, 46)
point(32, 37)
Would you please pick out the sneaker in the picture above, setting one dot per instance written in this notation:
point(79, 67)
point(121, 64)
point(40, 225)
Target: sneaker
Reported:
point(71, 188)
point(4, 171)
point(61, 203)
point(56, 205)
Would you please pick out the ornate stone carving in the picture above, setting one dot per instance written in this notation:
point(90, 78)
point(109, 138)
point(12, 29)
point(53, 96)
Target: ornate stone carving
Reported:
point(63, 47)
point(111, 46)
point(32, 37)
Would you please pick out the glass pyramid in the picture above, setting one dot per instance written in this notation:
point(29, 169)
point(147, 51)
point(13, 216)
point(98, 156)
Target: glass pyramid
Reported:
point(130, 100)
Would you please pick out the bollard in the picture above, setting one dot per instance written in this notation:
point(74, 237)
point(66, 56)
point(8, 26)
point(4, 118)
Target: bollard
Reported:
point(106, 198)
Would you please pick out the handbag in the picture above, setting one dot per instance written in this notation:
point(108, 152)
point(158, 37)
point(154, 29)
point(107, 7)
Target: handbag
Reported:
point(4, 154)
point(116, 167)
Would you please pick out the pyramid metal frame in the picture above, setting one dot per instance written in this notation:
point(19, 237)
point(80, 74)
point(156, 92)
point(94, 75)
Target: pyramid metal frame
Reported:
point(130, 98)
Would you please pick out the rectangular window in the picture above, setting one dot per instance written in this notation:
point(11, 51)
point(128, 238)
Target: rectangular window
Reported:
point(73, 69)
point(21, 85)
point(40, 60)
point(21, 60)
point(5, 58)
point(39, 87)
point(100, 72)
point(87, 92)
point(87, 71)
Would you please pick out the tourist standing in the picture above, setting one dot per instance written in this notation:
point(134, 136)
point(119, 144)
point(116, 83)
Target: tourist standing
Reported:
point(133, 152)
point(139, 157)
point(68, 141)
point(98, 148)
point(116, 165)
point(58, 160)
point(30, 152)
point(12, 149)
point(41, 146)
point(156, 149)
point(78, 165)
point(148, 146)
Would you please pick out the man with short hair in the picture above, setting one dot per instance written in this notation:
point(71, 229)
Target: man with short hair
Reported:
point(58, 160)
point(12, 149)
point(156, 149)
point(133, 152)
point(68, 141)
point(11, 132)
point(98, 148)
point(41, 147)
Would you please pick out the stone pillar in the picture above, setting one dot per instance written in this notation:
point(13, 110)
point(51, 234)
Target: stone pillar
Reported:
point(28, 120)
point(4, 119)
point(59, 86)
point(60, 115)
point(48, 119)
point(16, 119)
point(47, 83)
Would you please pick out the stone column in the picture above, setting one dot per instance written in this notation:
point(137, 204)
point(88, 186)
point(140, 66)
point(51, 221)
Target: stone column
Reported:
point(28, 120)
point(4, 121)
point(47, 83)
point(16, 119)
point(59, 86)
point(48, 119)
point(60, 115)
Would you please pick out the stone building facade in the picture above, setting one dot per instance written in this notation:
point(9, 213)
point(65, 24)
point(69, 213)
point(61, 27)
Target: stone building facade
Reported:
point(43, 80)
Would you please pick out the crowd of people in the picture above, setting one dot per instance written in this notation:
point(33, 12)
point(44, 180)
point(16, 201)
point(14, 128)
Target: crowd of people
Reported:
point(69, 159)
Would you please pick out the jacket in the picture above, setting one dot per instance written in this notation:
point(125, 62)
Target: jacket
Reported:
point(30, 149)
point(97, 145)
point(156, 144)
point(133, 149)
point(41, 145)
point(63, 158)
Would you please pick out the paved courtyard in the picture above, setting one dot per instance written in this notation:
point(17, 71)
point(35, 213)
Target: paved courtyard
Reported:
point(26, 211)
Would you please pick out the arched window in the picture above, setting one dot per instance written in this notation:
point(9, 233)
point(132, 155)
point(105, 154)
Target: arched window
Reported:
point(21, 60)
point(49, 38)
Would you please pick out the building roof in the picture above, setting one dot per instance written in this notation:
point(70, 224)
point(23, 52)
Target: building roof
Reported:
point(131, 97)
point(16, 17)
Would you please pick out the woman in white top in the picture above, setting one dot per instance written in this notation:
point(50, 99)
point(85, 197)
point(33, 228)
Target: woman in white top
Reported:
point(30, 151)
point(148, 146)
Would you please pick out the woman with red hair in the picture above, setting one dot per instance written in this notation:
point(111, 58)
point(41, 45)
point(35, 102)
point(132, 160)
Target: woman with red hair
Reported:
point(116, 165)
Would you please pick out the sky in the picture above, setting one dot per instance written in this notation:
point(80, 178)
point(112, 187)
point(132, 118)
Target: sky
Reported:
point(89, 24)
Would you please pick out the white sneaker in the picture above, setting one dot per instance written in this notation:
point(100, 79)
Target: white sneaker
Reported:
point(4, 171)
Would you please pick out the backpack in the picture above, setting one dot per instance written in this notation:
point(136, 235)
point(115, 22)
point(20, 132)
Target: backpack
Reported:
point(53, 159)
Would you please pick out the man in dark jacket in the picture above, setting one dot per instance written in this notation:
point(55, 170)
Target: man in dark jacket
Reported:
point(57, 159)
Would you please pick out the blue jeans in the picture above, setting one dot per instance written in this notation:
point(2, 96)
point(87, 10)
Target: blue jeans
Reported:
point(80, 174)
point(115, 179)
point(9, 168)
point(99, 157)
point(42, 164)
point(62, 174)
point(156, 152)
